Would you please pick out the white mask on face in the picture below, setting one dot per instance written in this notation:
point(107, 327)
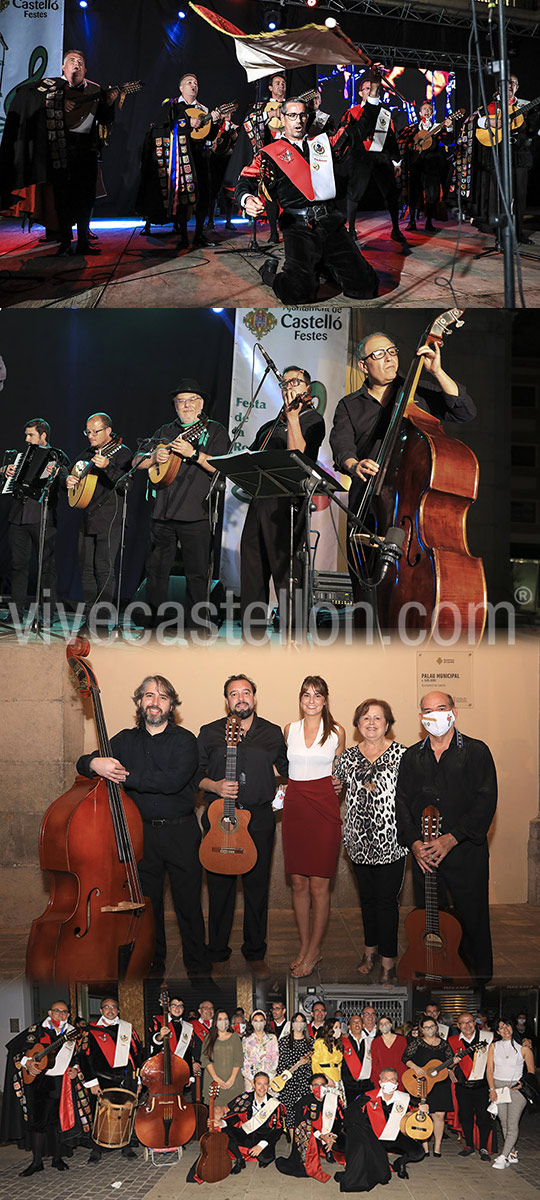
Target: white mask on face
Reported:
point(385, 1028)
point(438, 723)
point(258, 1025)
point(388, 1087)
point(301, 1025)
point(222, 1024)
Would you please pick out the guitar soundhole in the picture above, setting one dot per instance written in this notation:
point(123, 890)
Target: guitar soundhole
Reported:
point(228, 824)
point(433, 940)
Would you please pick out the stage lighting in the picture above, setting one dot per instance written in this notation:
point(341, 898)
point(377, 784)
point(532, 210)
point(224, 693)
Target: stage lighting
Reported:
point(311, 3)
point(330, 22)
point(217, 310)
point(181, 14)
point(272, 18)
point(83, 3)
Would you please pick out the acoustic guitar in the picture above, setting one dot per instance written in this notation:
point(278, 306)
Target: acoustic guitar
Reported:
point(434, 936)
point(435, 1071)
point(228, 848)
point(423, 138)
point(165, 473)
point(201, 133)
point(87, 475)
point(215, 1162)
point(82, 105)
point(43, 1056)
point(201, 1111)
point(517, 117)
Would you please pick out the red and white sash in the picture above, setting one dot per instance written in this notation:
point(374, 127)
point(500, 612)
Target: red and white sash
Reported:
point(314, 179)
point(473, 1065)
point(117, 1054)
point(387, 1129)
point(262, 1116)
point(352, 1059)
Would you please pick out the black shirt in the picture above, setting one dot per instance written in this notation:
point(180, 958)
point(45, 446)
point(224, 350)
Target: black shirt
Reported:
point(97, 519)
point(26, 511)
point(311, 428)
point(161, 767)
point(360, 422)
point(261, 747)
point(462, 785)
point(186, 497)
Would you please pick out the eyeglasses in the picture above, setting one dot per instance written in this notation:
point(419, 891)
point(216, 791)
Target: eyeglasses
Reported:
point(89, 432)
point(192, 400)
point(303, 115)
point(392, 351)
point(289, 383)
point(61, 1012)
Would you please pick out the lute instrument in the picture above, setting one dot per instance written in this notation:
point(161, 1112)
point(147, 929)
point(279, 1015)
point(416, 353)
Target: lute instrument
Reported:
point(424, 487)
point(434, 936)
point(215, 1162)
point(43, 1056)
point(165, 473)
point(97, 926)
point(416, 1124)
point(82, 105)
point(227, 848)
point(201, 132)
point(166, 1120)
point(277, 1084)
point(88, 474)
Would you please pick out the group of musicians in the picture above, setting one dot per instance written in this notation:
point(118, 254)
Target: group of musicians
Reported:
point(356, 1109)
point(286, 157)
point(182, 484)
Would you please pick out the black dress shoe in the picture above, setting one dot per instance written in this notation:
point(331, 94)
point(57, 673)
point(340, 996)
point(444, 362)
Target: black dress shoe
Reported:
point(95, 1155)
point(402, 1172)
point(86, 250)
point(65, 248)
point(127, 1152)
point(200, 242)
point(398, 236)
point(59, 1164)
point(465, 1153)
point(268, 271)
point(31, 1170)
point(238, 1166)
point(412, 227)
point(183, 244)
point(429, 227)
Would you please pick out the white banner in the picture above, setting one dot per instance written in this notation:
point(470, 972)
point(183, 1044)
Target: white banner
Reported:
point(317, 340)
point(31, 43)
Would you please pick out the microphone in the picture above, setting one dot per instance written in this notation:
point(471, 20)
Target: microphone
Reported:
point(390, 553)
point(269, 361)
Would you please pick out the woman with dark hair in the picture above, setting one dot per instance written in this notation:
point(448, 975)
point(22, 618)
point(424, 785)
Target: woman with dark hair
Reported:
point(507, 1062)
point(328, 1054)
point(222, 1059)
point(311, 820)
point(420, 1051)
point(295, 1056)
point(260, 1050)
point(370, 772)
point(387, 1049)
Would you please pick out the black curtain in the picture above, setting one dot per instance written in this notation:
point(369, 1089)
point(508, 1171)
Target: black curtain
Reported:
point(66, 365)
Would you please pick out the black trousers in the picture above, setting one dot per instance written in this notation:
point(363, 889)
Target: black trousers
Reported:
point(381, 169)
point(97, 556)
point(237, 1138)
point(465, 872)
point(74, 188)
point(265, 551)
point(408, 1149)
point(222, 896)
point(23, 539)
point(328, 245)
point(194, 538)
point(173, 850)
point(379, 888)
point(425, 175)
point(472, 1103)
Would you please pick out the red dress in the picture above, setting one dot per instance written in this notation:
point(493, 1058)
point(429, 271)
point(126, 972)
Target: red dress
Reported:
point(383, 1057)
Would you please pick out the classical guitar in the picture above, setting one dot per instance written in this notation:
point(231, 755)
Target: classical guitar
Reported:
point(203, 130)
point(434, 936)
point(201, 1110)
point(227, 848)
point(165, 473)
point(215, 1161)
point(87, 475)
point(418, 1125)
point(423, 138)
point(517, 117)
point(419, 1086)
point(43, 1056)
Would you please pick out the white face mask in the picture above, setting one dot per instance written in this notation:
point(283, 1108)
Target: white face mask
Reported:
point(222, 1025)
point(385, 1028)
point(258, 1024)
point(388, 1087)
point(299, 1025)
point(438, 723)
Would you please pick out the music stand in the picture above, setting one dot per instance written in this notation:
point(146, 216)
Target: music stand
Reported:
point(267, 474)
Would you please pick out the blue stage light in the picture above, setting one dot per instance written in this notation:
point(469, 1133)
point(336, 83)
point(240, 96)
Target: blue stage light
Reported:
point(271, 24)
point(218, 310)
point(83, 3)
point(181, 15)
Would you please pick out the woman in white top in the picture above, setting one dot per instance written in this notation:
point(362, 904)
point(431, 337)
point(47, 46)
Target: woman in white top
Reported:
point(311, 820)
point(506, 1062)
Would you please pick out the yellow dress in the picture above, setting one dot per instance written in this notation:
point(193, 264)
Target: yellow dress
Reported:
point(327, 1062)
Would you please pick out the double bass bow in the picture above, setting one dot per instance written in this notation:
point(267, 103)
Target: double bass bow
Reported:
point(425, 485)
point(97, 926)
point(166, 1120)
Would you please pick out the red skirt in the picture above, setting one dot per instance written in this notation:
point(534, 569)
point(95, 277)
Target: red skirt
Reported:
point(311, 827)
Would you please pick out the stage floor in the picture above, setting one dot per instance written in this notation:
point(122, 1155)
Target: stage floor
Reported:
point(139, 271)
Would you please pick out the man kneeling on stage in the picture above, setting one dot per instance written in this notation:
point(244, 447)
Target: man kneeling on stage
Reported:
point(367, 1161)
point(318, 1124)
point(299, 172)
point(254, 1124)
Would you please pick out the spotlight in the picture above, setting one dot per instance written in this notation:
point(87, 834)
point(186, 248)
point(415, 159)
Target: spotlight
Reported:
point(271, 24)
point(272, 17)
point(330, 22)
point(181, 14)
point(218, 310)
point(311, 3)
point(83, 3)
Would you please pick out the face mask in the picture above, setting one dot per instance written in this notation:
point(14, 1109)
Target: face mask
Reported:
point(521, 1024)
point(299, 1025)
point(258, 1024)
point(385, 1028)
point(317, 1091)
point(222, 1025)
point(337, 1031)
point(388, 1087)
point(438, 723)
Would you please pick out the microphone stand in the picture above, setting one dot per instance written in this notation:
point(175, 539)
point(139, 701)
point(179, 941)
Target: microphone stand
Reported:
point(37, 622)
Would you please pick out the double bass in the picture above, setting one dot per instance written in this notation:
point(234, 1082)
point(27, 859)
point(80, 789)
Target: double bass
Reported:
point(166, 1120)
point(422, 492)
point(97, 926)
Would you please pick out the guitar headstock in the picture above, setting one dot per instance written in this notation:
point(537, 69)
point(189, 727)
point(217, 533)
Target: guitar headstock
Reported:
point(443, 323)
point(233, 730)
point(431, 824)
point(77, 651)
